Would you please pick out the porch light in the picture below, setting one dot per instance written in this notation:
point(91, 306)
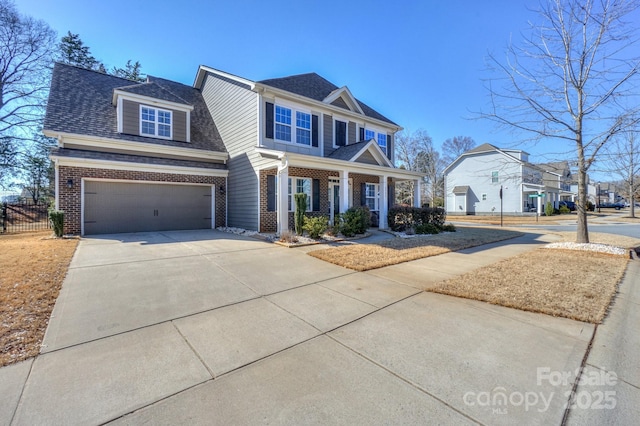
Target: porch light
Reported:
point(69, 183)
point(222, 190)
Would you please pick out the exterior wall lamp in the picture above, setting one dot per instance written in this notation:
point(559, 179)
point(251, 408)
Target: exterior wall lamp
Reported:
point(69, 183)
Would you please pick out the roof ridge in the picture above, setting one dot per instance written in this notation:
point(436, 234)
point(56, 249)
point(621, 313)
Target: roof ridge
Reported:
point(106, 74)
point(169, 90)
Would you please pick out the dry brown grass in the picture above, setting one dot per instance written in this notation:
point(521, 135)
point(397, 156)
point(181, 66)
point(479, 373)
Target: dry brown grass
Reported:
point(33, 267)
point(363, 257)
point(511, 220)
point(564, 283)
point(603, 238)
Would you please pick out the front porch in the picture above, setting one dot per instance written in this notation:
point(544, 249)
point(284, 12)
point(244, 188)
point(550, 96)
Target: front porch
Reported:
point(332, 186)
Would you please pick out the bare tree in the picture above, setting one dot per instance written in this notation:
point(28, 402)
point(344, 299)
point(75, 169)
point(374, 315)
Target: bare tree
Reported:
point(415, 151)
point(570, 80)
point(623, 160)
point(26, 49)
point(455, 147)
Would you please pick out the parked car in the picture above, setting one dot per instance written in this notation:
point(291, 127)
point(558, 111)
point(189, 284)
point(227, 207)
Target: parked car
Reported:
point(616, 206)
point(569, 204)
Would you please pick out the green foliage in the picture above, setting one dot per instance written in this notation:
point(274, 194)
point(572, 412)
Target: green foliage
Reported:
point(564, 209)
point(73, 51)
point(590, 206)
point(548, 209)
point(449, 227)
point(315, 225)
point(355, 220)
point(427, 228)
point(301, 207)
point(56, 217)
point(131, 71)
point(402, 218)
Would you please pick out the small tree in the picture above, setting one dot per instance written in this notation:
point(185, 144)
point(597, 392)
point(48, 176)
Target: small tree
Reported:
point(623, 159)
point(73, 51)
point(301, 207)
point(131, 71)
point(548, 209)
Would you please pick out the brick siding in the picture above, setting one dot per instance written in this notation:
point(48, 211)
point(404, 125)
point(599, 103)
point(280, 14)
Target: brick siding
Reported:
point(70, 198)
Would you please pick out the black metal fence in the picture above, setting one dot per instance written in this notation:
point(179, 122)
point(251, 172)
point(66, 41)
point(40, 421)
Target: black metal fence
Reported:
point(24, 216)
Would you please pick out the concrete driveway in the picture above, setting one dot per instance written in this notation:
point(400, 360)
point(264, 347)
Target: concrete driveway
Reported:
point(204, 327)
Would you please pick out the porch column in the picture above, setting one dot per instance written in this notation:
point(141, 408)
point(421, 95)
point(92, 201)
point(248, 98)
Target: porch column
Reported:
point(283, 198)
point(344, 190)
point(383, 202)
point(539, 203)
point(416, 193)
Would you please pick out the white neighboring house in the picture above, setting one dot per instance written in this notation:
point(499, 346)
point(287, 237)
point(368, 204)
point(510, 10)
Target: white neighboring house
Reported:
point(473, 183)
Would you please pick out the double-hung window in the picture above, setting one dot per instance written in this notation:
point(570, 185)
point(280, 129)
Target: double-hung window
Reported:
point(369, 134)
point(283, 123)
point(382, 142)
point(371, 196)
point(155, 122)
point(303, 128)
point(494, 177)
point(340, 137)
point(380, 137)
point(297, 185)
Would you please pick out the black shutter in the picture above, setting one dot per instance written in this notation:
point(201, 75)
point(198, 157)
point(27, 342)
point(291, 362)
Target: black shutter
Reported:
point(361, 134)
point(271, 193)
point(341, 133)
point(389, 147)
point(268, 111)
point(315, 192)
point(314, 131)
point(363, 194)
point(392, 194)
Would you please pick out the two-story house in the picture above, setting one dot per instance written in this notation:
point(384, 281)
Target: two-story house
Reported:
point(476, 180)
point(161, 155)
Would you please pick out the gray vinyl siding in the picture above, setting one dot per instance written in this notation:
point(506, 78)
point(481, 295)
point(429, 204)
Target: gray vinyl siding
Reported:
point(130, 117)
point(179, 126)
point(327, 122)
point(234, 110)
point(131, 120)
point(367, 158)
point(351, 133)
point(341, 103)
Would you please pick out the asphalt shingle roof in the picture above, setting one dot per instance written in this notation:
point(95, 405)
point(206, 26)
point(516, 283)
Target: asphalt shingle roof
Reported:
point(153, 90)
point(80, 102)
point(313, 86)
point(348, 151)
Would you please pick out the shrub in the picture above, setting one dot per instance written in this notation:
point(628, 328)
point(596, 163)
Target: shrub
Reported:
point(355, 220)
point(548, 209)
point(401, 218)
point(315, 225)
point(590, 206)
point(56, 217)
point(564, 209)
point(301, 207)
point(427, 228)
point(449, 227)
point(288, 237)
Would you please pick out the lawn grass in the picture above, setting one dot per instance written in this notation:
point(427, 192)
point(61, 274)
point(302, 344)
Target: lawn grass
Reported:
point(363, 257)
point(33, 266)
point(564, 283)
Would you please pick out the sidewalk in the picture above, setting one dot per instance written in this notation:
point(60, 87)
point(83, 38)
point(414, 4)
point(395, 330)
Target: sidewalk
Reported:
point(609, 392)
point(310, 343)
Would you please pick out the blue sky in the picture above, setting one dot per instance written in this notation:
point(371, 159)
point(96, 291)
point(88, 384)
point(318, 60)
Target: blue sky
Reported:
point(420, 63)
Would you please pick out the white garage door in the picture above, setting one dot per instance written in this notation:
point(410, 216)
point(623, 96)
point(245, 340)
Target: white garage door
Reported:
point(114, 207)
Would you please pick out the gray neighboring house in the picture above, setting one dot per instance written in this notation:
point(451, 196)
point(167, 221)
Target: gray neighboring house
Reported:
point(475, 180)
point(161, 155)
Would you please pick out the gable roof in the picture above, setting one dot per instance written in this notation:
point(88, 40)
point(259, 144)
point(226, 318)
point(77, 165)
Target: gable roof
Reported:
point(152, 90)
point(315, 87)
point(80, 102)
point(354, 151)
point(485, 147)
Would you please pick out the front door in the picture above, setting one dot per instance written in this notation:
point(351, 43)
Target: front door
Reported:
point(334, 202)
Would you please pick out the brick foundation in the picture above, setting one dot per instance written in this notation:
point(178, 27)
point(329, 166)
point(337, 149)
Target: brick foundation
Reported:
point(70, 198)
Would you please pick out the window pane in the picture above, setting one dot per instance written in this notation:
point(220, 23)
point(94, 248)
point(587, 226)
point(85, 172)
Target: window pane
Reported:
point(369, 134)
point(382, 140)
point(303, 136)
point(283, 132)
point(164, 117)
point(283, 115)
point(164, 130)
point(148, 128)
point(303, 120)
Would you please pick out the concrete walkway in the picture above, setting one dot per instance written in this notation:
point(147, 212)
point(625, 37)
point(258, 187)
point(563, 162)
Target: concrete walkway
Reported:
point(202, 327)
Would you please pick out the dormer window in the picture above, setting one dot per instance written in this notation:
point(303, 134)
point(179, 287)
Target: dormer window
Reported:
point(155, 122)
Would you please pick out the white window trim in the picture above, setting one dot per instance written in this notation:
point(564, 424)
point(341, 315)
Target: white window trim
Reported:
point(376, 197)
point(156, 123)
point(290, 195)
point(378, 131)
point(294, 125)
point(275, 124)
point(344, 120)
